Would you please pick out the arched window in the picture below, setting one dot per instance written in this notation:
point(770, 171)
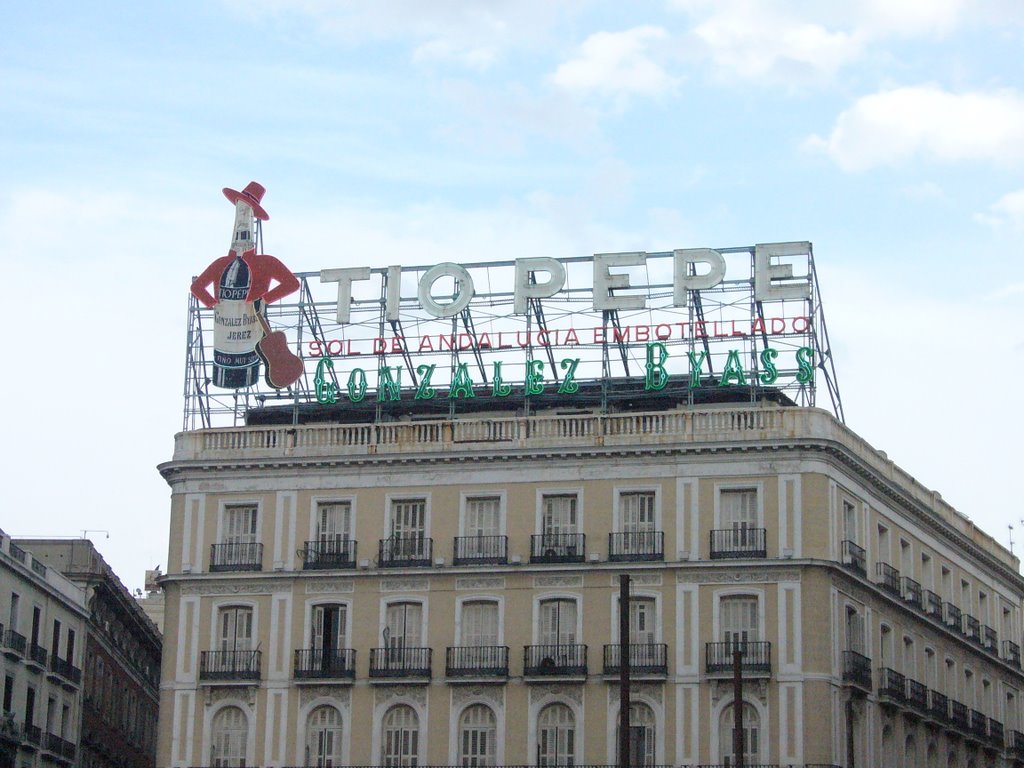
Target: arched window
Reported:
point(230, 735)
point(751, 735)
point(556, 736)
point(477, 730)
point(323, 737)
point(641, 735)
point(401, 740)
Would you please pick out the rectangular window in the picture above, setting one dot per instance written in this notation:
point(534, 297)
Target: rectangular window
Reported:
point(333, 521)
point(739, 622)
point(636, 511)
point(479, 623)
point(55, 638)
point(558, 622)
point(404, 625)
point(69, 652)
point(236, 629)
point(855, 631)
point(483, 516)
point(12, 622)
point(239, 524)
point(738, 508)
point(8, 693)
point(850, 522)
point(642, 621)
point(559, 514)
point(329, 627)
point(409, 517)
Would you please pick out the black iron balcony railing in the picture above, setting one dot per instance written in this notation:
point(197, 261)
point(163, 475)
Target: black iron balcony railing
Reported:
point(564, 659)
point(972, 628)
point(325, 554)
point(400, 662)
point(1015, 744)
point(15, 642)
point(17, 552)
point(476, 661)
point(989, 639)
point(636, 546)
point(932, 604)
point(995, 733)
point(978, 724)
point(558, 548)
point(888, 578)
point(756, 657)
point(959, 715)
point(644, 659)
point(892, 684)
point(37, 654)
point(405, 550)
point(857, 669)
point(325, 664)
point(917, 696)
point(33, 734)
point(912, 591)
point(855, 558)
point(229, 665)
point(65, 669)
point(1011, 652)
point(236, 556)
point(738, 543)
point(480, 550)
point(952, 616)
point(938, 707)
point(55, 745)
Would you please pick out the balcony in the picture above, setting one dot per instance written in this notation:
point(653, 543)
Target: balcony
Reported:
point(476, 661)
point(325, 664)
point(972, 628)
point(66, 670)
point(912, 592)
point(959, 716)
point(917, 696)
point(892, 685)
point(995, 733)
point(1015, 744)
point(562, 660)
point(236, 556)
point(229, 666)
point(888, 579)
point(558, 548)
point(480, 550)
point(58, 747)
point(15, 644)
point(952, 616)
point(857, 670)
point(37, 656)
point(1011, 652)
point(978, 724)
point(738, 543)
point(399, 662)
point(328, 554)
point(855, 558)
point(938, 707)
point(932, 604)
point(989, 639)
point(33, 735)
point(755, 659)
point(645, 659)
point(636, 546)
point(404, 551)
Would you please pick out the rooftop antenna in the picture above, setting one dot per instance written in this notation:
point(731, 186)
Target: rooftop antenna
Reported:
point(86, 531)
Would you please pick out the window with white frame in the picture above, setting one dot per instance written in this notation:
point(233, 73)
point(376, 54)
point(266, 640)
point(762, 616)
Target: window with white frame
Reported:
point(854, 631)
point(478, 624)
point(333, 521)
point(403, 625)
point(559, 514)
point(556, 736)
point(323, 737)
point(738, 619)
point(401, 737)
point(330, 626)
point(738, 508)
point(557, 621)
point(751, 735)
point(235, 628)
point(636, 511)
point(641, 735)
point(477, 736)
point(408, 517)
point(482, 516)
point(239, 524)
point(850, 521)
point(229, 737)
point(642, 620)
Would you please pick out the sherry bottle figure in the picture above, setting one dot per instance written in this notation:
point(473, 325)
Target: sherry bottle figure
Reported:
point(242, 287)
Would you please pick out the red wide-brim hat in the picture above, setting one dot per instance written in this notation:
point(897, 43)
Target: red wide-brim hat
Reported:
point(252, 194)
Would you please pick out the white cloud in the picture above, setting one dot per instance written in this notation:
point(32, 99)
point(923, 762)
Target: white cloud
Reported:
point(1007, 211)
point(478, 58)
point(617, 63)
point(891, 126)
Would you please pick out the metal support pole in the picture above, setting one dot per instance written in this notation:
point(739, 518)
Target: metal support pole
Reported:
point(737, 707)
point(624, 671)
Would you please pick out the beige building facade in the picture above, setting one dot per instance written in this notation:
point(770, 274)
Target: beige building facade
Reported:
point(445, 592)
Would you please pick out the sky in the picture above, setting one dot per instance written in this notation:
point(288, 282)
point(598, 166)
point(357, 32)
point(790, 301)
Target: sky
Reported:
point(889, 133)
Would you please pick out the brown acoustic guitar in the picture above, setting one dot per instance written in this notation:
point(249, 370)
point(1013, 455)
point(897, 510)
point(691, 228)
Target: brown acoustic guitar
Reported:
point(282, 368)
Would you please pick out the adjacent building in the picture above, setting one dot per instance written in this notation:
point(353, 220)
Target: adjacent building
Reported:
point(43, 619)
point(358, 590)
point(121, 659)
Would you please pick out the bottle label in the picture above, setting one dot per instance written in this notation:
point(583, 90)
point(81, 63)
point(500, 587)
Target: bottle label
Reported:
point(236, 329)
